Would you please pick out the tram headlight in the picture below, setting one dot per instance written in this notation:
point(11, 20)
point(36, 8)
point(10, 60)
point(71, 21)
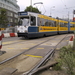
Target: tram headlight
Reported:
point(26, 31)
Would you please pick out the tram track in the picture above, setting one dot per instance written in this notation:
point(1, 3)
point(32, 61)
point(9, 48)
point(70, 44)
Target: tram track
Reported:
point(19, 41)
point(41, 61)
point(49, 55)
point(23, 51)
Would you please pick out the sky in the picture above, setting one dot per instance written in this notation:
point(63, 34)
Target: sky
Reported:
point(55, 8)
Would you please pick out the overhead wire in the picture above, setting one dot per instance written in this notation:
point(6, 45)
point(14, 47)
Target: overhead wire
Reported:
point(64, 4)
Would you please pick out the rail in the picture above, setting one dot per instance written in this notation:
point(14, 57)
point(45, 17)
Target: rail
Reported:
point(49, 55)
point(23, 52)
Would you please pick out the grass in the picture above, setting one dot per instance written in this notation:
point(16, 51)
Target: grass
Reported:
point(67, 60)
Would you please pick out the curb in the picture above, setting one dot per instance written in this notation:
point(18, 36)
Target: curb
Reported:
point(9, 35)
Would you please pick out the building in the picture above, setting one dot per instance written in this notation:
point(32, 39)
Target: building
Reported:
point(12, 10)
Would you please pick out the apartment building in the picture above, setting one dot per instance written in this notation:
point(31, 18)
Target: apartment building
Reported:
point(12, 10)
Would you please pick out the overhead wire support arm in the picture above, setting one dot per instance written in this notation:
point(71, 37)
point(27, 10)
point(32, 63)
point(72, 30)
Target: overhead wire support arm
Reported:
point(42, 4)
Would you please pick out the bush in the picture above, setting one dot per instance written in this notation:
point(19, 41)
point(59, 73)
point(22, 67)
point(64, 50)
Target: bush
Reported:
point(67, 60)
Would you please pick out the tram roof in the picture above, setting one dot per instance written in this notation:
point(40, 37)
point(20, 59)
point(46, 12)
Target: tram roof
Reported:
point(24, 14)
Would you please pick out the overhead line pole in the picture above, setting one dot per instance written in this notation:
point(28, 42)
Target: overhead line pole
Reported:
point(31, 5)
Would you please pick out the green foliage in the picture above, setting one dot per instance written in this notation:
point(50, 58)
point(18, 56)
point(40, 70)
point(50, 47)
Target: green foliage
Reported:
point(57, 67)
point(3, 18)
point(32, 9)
point(67, 60)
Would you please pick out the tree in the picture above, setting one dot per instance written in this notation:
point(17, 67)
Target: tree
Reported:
point(3, 18)
point(32, 9)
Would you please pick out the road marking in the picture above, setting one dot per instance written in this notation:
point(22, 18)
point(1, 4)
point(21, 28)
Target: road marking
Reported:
point(34, 56)
point(9, 42)
point(57, 48)
point(10, 48)
point(6, 43)
point(20, 44)
point(33, 44)
point(40, 48)
point(24, 48)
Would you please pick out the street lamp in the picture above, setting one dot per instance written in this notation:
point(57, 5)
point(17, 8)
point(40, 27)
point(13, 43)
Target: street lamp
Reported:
point(31, 3)
point(42, 4)
point(38, 3)
point(51, 8)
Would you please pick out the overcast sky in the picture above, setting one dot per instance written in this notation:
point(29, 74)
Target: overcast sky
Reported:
point(55, 8)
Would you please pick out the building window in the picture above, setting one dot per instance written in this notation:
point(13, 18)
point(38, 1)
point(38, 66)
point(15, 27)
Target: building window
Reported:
point(10, 19)
point(16, 20)
point(9, 13)
point(15, 15)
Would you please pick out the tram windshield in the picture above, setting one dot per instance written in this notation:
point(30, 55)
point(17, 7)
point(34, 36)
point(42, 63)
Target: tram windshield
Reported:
point(26, 21)
point(23, 21)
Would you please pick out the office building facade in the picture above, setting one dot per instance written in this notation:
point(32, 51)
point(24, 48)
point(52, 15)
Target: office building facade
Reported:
point(12, 9)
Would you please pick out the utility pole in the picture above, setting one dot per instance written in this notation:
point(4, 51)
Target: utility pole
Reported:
point(74, 30)
point(31, 5)
point(51, 8)
point(68, 16)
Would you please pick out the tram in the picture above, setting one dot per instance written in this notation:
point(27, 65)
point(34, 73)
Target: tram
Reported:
point(37, 25)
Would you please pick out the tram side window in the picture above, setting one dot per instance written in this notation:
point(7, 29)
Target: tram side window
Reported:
point(43, 22)
point(72, 25)
point(33, 21)
point(50, 23)
point(65, 24)
point(38, 21)
point(61, 24)
point(53, 23)
point(46, 23)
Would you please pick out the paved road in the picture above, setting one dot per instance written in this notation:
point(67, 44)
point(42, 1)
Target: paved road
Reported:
point(23, 63)
point(11, 39)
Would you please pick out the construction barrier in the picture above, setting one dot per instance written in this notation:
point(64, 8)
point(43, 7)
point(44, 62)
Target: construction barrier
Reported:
point(1, 52)
point(9, 35)
point(71, 40)
point(72, 37)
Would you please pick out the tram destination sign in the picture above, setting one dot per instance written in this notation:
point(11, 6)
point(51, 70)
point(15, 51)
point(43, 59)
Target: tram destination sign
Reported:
point(22, 13)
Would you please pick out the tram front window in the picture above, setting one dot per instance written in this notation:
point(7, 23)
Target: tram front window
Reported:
point(23, 22)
